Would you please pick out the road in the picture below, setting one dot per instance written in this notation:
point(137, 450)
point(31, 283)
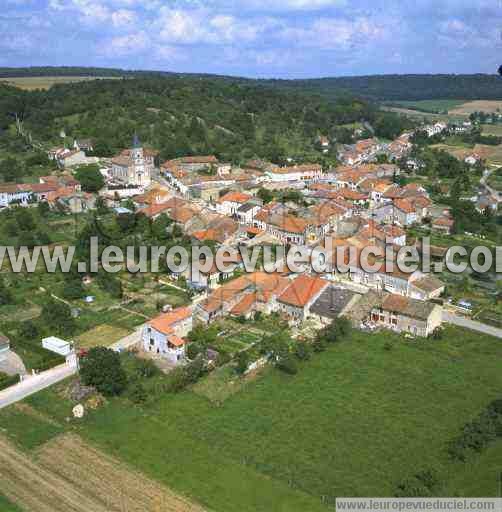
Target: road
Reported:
point(461, 321)
point(35, 383)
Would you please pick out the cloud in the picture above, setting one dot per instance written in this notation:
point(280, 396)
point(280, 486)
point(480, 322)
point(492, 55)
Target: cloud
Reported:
point(123, 18)
point(195, 26)
point(337, 33)
point(131, 44)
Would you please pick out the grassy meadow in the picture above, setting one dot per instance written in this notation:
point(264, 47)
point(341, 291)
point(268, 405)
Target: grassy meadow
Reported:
point(353, 422)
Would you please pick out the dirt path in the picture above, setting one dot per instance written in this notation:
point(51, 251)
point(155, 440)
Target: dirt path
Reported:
point(68, 475)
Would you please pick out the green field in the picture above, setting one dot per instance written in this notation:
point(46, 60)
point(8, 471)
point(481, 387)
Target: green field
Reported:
point(7, 506)
point(431, 106)
point(353, 422)
point(46, 82)
point(492, 129)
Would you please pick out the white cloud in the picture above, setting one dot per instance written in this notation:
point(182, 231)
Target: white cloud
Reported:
point(337, 33)
point(123, 18)
point(191, 26)
point(131, 44)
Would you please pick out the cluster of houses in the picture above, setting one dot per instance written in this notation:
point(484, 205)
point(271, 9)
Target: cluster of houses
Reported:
point(356, 205)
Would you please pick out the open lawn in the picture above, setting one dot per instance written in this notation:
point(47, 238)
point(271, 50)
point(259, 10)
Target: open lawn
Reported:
point(101, 336)
point(492, 129)
point(354, 421)
point(432, 106)
point(46, 82)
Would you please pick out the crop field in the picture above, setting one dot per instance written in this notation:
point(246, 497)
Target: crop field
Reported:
point(46, 82)
point(68, 475)
point(492, 129)
point(354, 421)
point(469, 107)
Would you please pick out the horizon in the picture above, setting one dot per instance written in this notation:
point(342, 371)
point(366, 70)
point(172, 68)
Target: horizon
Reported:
point(288, 39)
point(242, 77)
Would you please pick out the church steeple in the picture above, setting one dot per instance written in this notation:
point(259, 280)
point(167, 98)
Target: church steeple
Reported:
point(135, 141)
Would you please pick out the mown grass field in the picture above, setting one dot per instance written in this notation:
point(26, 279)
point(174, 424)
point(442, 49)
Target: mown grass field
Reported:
point(492, 129)
point(353, 422)
point(432, 106)
point(46, 82)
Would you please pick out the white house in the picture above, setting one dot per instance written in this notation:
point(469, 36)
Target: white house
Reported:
point(14, 193)
point(231, 202)
point(164, 334)
point(307, 172)
point(57, 345)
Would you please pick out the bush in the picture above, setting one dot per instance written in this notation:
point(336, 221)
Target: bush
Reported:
point(242, 362)
point(422, 484)
point(102, 368)
point(194, 350)
point(6, 381)
point(137, 393)
point(303, 351)
point(288, 365)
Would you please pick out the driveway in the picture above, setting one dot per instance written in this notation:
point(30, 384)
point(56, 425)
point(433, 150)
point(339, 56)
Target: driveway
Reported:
point(461, 321)
point(12, 364)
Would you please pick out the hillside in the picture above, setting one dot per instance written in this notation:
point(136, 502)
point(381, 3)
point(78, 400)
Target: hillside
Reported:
point(189, 115)
point(377, 87)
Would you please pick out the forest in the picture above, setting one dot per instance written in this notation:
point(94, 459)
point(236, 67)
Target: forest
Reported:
point(374, 87)
point(191, 115)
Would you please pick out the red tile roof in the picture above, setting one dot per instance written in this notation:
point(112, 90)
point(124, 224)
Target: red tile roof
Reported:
point(302, 290)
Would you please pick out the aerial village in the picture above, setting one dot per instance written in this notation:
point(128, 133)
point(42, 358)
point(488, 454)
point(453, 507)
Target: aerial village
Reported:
point(357, 204)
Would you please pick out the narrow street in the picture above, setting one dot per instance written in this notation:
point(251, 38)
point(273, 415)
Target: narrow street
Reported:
point(461, 321)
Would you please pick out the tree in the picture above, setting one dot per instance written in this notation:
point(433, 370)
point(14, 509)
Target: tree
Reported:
point(56, 315)
point(6, 296)
point(242, 362)
point(43, 209)
point(29, 330)
point(90, 178)
point(102, 368)
point(265, 195)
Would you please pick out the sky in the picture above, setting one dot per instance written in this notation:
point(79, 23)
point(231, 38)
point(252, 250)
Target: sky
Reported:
point(256, 38)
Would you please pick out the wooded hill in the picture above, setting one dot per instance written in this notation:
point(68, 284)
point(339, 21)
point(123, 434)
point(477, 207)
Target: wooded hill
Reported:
point(181, 115)
point(376, 87)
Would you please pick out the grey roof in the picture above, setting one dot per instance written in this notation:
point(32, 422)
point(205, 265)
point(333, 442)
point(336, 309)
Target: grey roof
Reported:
point(428, 283)
point(246, 207)
point(332, 302)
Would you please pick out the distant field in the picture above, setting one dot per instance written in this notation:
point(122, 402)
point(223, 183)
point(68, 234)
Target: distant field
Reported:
point(432, 106)
point(492, 129)
point(477, 106)
point(422, 115)
point(46, 82)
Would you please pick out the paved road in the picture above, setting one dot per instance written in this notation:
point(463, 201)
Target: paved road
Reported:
point(33, 384)
point(461, 321)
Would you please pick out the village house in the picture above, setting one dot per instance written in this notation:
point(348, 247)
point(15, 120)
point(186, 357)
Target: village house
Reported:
point(164, 334)
point(72, 158)
point(295, 301)
point(13, 193)
point(83, 144)
point(404, 315)
point(196, 163)
point(404, 212)
point(231, 202)
point(333, 303)
point(443, 225)
point(305, 172)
